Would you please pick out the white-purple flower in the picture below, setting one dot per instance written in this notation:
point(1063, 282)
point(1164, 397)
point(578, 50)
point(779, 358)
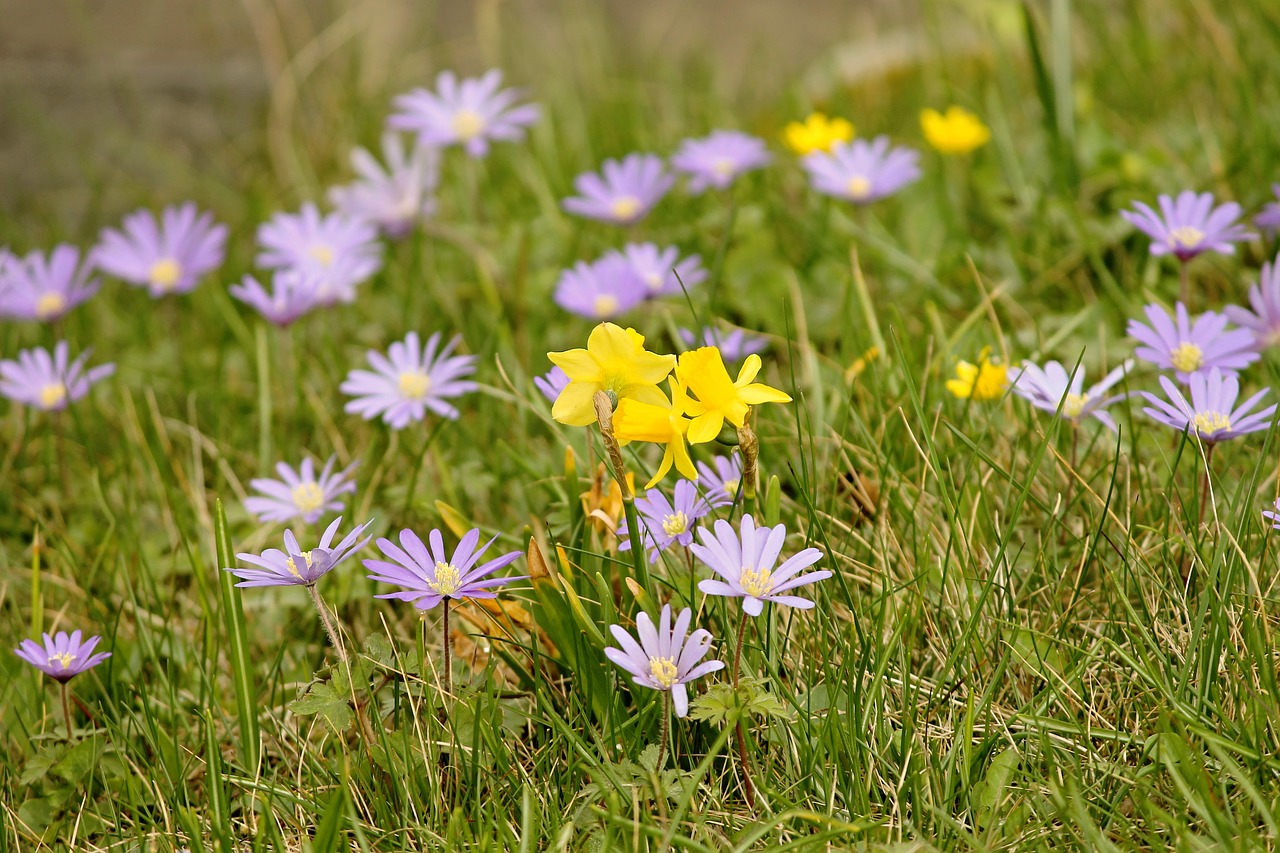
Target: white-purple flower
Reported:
point(662, 270)
point(429, 577)
point(63, 656)
point(734, 344)
point(745, 564)
point(292, 295)
point(720, 480)
point(1175, 343)
point(1054, 389)
point(471, 113)
point(1264, 298)
point(296, 567)
point(861, 171)
point(169, 255)
point(40, 287)
point(664, 659)
point(49, 382)
point(1211, 413)
point(394, 198)
point(1273, 517)
point(552, 383)
point(717, 159)
point(1268, 219)
point(623, 192)
point(600, 290)
point(300, 494)
point(410, 380)
point(335, 253)
point(1188, 225)
point(664, 522)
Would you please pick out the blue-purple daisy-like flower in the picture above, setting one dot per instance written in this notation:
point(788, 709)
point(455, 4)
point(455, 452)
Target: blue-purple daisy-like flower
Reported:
point(1268, 219)
point(861, 171)
point(44, 287)
point(472, 113)
point(1175, 343)
point(431, 576)
point(745, 564)
point(296, 567)
point(600, 290)
point(63, 656)
point(300, 494)
point(720, 480)
point(552, 383)
point(623, 192)
point(334, 253)
point(1211, 413)
point(1263, 321)
point(49, 382)
point(410, 380)
point(1273, 516)
point(717, 159)
point(1054, 389)
point(662, 270)
point(665, 522)
point(291, 296)
point(667, 657)
point(395, 198)
point(734, 344)
point(169, 255)
point(1189, 225)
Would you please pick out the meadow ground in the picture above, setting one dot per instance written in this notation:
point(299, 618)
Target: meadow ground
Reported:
point(1035, 636)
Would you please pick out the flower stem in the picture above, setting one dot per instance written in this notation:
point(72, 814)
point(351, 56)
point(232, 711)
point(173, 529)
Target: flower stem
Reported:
point(639, 560)
point(1204, 483)
point(1184, 284)
point(666, 727)
point(747, 788)
point(737, 652)
point(448, 662)
point(66, 710)
point(335, 639)
point(417, 466)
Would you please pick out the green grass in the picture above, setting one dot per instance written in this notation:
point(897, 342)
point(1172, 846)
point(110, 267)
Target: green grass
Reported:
point(1002, 661)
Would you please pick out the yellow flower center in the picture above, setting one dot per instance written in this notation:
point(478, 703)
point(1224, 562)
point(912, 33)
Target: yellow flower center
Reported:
point(674, 525)
point(625, 207)
point(293, 567)
point(664, 671)
point(1185, 237)
point(414, 384)
point(731, 487)
point(756, 583)
point(1187, 357)
point(605, 305)
point(723, 167)
point(859, 187)
point(64, 658)
point(654, 281)
point(165, 273)
point(447, 580)
point(308, 496)
point(468, 124)
point(321, 254)
point(1208, 423)
point(53, 395)
point(49, 305)
point(1074, 405)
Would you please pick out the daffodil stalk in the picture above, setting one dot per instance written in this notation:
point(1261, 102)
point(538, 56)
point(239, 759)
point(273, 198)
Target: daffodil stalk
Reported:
point(749, 447)
point(604, 417)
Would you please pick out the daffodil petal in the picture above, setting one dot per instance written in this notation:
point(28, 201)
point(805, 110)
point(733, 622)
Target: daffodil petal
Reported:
point(754, 395)
point(705, 428)
point(574, 406)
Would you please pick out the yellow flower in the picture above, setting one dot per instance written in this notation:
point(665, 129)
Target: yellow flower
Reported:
point(616, 362)
point(957, 132)
point(664, 423)
point(602, 503)
point(982, 381)
point(719, 397)
point(816, 133)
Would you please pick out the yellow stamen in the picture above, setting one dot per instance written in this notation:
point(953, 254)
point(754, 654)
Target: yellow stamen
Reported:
point(64, 658)
point(414, 384)
point(321, 253)
point(50, 305)
point(293, 567)
point(468, 124)
point(447, 580)
point(308, 496)
point(731, 487)
point(166, 273)
point(1208, 423)
point(1187, 357)
point(1074, 405)
point(1185, 237)
point(723, 167)
point(605, 305)
point(859, 187)
point(674, 525)
point(625, 207)
point(664, 671)
point(756, 583)
point(53, 395)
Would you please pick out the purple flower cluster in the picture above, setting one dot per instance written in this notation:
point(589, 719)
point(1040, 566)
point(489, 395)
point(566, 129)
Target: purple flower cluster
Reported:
point(166, 255)
point(44, 288)
point(300, 494)
point(49, 381)
point(471, 113)
point(330, 255)
point(619, 281)
point(1175, 343)
point(861, 171)
point(1189, 225)
point(410, 380)
point(666, 522)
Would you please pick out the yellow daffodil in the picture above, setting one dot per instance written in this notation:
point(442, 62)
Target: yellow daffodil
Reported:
point(957, 132)
point(616, 362)
point(720, 398)
point(985, 380)
point(816, 133)
point(665, 423)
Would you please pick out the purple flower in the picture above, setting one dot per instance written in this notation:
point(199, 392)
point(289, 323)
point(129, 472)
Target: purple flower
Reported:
point(300, 494)
point(49, 382)
point(715, 160)
point(1186, 348)
point(1273, 517)
point(734, 345)
point(292, 295)
point(1053, 389)
point(664, 659)
point(1269, 218)
point(600, 290)
point(552, 383)
point(295, 567)
point(470, 113)
point(44, 288)
point(862, 171)
point(746, 565)
point(720, 484)
point(664, 522)
point(409, 380)
point(1212, 413)
point(429, 577)
point(1264, 297)
point(624, 192)
point(166, 256)
point(393, 199)
point(334, 252)
point(1189, 225)
point(63, 657)
point(662, 271)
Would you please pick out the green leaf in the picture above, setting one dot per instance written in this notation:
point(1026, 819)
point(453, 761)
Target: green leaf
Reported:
point(722, 704)
point(323, 700)
point(989, 794)
point(328, 835)
point(37, 814)
point(649, 758)
point(237, 641)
